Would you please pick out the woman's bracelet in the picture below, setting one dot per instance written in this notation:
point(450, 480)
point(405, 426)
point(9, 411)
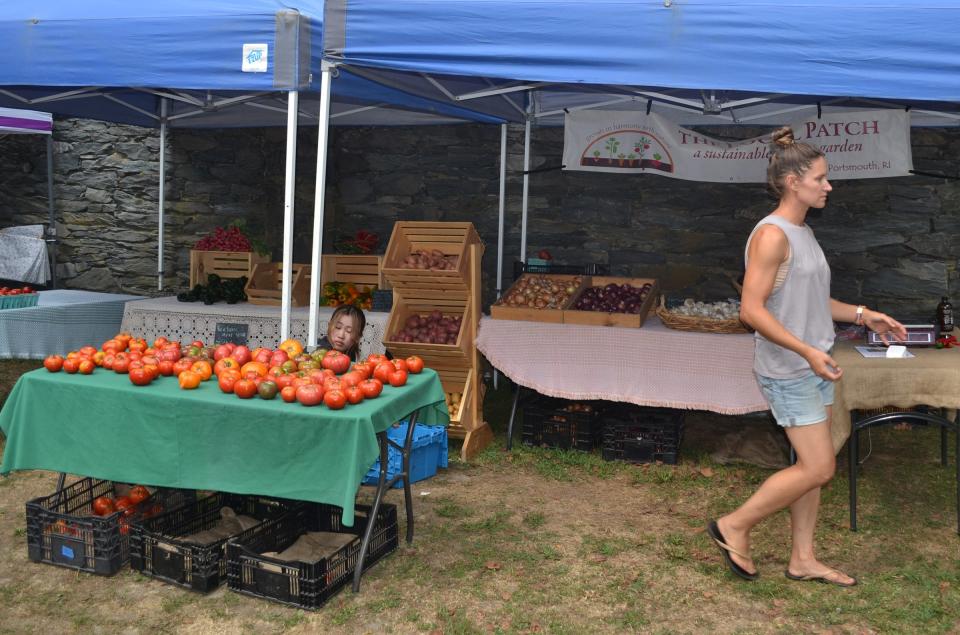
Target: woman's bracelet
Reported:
point(859, 319)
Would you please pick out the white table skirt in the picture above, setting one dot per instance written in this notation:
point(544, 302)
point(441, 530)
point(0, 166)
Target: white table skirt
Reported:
point(186, 321)
point(649, 366)
point(63, 320)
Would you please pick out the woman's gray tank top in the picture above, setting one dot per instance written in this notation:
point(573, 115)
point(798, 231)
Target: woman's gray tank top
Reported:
point(801, 304)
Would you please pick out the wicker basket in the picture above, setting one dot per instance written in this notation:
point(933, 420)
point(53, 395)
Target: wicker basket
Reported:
point(699, 324)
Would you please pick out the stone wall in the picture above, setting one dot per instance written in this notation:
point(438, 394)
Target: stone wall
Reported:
point(892, 243)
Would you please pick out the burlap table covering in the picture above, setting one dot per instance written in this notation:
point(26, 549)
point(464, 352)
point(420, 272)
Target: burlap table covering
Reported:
point(930, 378)
point(649, 366)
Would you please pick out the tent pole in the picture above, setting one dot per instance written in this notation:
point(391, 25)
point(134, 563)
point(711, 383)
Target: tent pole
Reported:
point(162, 197)
point(52, 225)
point(323, 128)
point(503, 188)
point(526, 187)
point(288, 192)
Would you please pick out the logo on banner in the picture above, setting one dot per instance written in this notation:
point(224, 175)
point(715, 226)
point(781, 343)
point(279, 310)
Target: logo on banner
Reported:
point(254, 58)
point(627, 149)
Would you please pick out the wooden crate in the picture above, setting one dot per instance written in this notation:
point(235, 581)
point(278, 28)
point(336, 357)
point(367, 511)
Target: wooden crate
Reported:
point(453, 239)
point(601, 318)
point(360, 270)
point(226, 264)
point(443, 356)
point(460, 381)
point(503, 312)
point(266, 281)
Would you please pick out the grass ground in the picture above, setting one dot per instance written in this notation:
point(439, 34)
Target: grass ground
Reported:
point(564, 542)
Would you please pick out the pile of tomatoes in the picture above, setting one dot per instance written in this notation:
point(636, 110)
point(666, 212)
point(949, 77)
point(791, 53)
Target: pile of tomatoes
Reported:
point(323, 377)
point(16, 290)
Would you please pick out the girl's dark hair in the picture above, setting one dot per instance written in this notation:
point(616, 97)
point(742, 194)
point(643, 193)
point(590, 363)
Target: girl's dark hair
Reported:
point(788, 156)
point(348, 310)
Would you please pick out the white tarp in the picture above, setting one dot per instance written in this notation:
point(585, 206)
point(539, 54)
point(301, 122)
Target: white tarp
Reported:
point(859, 145)
point(23, 254)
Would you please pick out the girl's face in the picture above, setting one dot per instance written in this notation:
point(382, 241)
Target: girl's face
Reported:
point(343, 333)
point(812, 187)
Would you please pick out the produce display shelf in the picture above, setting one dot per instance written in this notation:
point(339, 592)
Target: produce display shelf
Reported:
point(452, 239)
point(602, 318)
point(501, 311)
point(226, 264)
point(266, 281)
point(366, 270)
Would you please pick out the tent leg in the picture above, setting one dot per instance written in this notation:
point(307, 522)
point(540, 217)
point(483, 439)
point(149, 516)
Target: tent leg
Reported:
point(288, 193)
point(503, 191)
point(323, 130)
point(526, 188)
point(52, 224)
point(161, 198)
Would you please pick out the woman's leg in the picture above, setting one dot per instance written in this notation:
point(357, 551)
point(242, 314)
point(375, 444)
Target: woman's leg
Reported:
point(803, 521)
point(814, 467)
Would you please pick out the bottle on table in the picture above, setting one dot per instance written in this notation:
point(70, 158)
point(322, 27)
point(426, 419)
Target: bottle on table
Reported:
point(945, 315)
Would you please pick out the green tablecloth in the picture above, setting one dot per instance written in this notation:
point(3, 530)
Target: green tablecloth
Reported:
point(103, 426)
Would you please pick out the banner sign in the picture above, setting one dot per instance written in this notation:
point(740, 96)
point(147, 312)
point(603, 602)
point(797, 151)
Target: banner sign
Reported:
point(860, 145)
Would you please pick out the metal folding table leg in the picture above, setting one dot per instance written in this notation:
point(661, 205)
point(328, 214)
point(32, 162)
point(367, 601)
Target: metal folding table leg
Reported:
point(513, 415)
point(382, 486)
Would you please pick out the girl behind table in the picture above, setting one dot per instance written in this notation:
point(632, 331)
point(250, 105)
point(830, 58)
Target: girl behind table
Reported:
point(786, 298)
point(344, 331)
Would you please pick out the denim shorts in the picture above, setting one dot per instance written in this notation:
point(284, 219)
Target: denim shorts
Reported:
point(798, 401)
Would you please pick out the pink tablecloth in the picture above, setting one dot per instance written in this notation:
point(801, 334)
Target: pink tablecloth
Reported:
point(649, 366)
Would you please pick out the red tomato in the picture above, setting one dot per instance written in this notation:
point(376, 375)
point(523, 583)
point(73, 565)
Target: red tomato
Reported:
point(71, 365)
point(227, 381)
point(179, 366)
point(138, 494)
point(241, 354)
point(376, 358)
point(112, 346)
point(53, 363)
point(335, 399)
point(310, 395)
point(414, 364)
point(284, 380)
point(87, 351)
point(221, 352)
point(245, 388)
point(383, 370)
point(122, 503)
point(202, 368)
point(332, 383)
point(364, 369)
point(354, 394)
point(400, 364)
point(103, 506)
point(371, 388)
point(165, 366)
point(288, 394)
point(140, 376)
point(336, 361)
point(351, 378)
point(86, 366)
point(121, 363)
point(398, 378)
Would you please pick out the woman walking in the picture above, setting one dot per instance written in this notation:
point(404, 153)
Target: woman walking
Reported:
point(786, 299)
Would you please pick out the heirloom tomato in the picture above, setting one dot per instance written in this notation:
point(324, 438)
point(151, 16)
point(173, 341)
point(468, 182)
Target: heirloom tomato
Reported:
point(267, 389)
point(383, 370)
point(179, 366)
point(202, 368)
point(53, 363)
point(414, 364)
point(399, 364)
point(103, 506)
point(188, 379)
point(71, 365)
point(364, 368)
point(335, 399)
point(354, 394)
point(336, 361)
point(138, 494)
point(165, 366)
point(310, 395)
point(258, 367)
point(398, 378)
point(224, 363)
point(241, 354)
point(86, 366)
point(291, 347)
point(288, 394)
point(122, 503)
point(351, 378)
point(376, 358)
point(245, 388)
point(140, 376)
point(371, 388)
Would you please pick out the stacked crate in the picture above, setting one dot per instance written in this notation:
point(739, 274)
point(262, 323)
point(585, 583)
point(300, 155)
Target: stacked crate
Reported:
point(452, 292)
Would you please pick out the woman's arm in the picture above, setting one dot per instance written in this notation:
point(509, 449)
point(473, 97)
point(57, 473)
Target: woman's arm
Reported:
point(881, 323)
point(768, 249)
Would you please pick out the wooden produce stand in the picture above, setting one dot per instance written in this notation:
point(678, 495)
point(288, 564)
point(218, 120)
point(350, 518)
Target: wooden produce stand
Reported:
point(366, 270)
point(266, 283)
point(453, 292)
point(226, 264)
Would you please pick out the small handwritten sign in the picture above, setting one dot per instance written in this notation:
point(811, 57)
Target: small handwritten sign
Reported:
point(231, 332)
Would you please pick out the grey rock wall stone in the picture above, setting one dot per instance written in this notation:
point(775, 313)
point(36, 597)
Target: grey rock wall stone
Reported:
point(891, 242)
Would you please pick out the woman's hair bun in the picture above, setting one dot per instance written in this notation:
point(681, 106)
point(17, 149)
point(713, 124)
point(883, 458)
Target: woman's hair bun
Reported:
point(782, 137)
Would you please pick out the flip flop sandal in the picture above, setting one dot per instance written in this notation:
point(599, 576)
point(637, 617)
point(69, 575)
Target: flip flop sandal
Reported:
point(725, 550)
point(820, 578)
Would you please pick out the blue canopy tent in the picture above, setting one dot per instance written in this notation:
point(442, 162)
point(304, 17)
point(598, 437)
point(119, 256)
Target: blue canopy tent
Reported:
point(216, 63)
point(697, 61)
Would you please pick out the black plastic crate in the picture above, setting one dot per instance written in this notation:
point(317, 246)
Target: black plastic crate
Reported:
point(63, 530)
point(301, 584)
point(595, 269)
point(560, 423)
point(158, 548)
point(642, 435)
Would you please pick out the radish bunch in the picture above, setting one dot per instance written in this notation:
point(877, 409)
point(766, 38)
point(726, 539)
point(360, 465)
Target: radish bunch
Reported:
point(229, 239)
